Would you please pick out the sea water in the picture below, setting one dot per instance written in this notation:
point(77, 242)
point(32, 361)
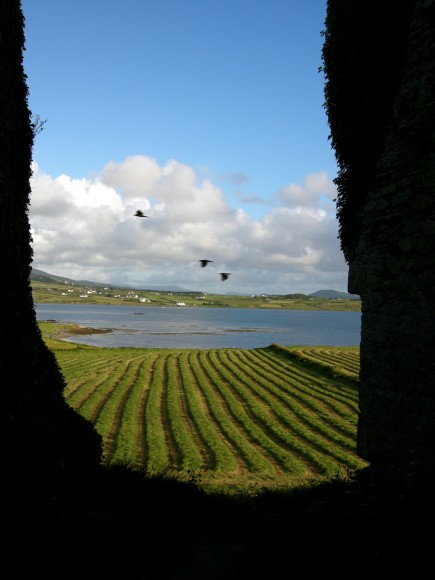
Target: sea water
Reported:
point(204, 328)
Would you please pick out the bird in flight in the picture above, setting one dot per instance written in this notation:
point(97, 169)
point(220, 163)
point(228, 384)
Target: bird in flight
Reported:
point(140, 213)
point(204, 263)
point(224, 275)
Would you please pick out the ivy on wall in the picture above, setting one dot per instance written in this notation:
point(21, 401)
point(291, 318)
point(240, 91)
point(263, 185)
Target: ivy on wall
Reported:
point(363, 53)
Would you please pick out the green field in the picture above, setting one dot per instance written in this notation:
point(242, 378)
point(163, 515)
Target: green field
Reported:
point(226, 418)
point(57, 293)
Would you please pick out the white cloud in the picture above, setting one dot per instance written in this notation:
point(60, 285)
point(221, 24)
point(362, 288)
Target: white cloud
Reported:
point(86, 229)
point(314, 188)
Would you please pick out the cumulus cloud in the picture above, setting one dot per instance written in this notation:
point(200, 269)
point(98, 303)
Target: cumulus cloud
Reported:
point(86, 229)
point(312, 193)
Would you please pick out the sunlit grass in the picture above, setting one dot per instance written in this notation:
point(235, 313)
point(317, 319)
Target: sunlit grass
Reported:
point(229, 418)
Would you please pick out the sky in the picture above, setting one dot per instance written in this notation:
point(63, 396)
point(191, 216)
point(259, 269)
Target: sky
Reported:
point(206, 115)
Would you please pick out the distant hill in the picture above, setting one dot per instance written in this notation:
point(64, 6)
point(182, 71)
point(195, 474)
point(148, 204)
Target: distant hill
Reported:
point(41, 276)
point(334, 294)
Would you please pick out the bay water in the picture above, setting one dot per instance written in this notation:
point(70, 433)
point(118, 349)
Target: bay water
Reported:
point(205, 328)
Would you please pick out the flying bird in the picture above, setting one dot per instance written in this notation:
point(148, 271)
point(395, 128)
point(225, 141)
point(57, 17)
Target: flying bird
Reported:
point(204, 263)
point(140, 213)
point(224, 275)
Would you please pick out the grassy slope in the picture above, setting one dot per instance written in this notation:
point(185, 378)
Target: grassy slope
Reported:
point(277, 389)
point(119, 523)
point(61, 294)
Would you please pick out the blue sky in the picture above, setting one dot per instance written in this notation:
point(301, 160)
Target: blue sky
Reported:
point(208, 116)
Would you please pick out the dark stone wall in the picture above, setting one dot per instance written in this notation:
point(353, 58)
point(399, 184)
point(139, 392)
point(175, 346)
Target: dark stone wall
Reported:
point(393, 269)
point(41, 433)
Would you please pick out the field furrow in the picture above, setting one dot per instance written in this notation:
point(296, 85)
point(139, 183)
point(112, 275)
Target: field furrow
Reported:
point(322, 443)
point(124, 441)
point(224, 417)
point(111, 415)
point(196, 414)
point(174, 453)
point(336, 418)
point(343, 360)
point(255, 420)
point(226, 409)
point(90, 398)
point(273, 416)
point(183, 431)
point(157, 453)
point(234, 451)
point(338, 396)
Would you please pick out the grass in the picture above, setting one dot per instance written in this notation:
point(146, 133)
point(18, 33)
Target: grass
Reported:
point(234, 419)
point(119, 521)
point(56, 293)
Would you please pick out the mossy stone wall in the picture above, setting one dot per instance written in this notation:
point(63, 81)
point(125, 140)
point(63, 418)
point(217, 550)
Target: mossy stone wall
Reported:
point(393, 269)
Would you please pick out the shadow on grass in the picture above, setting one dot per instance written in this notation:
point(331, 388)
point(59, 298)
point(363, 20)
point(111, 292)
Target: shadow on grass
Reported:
point(115, 522)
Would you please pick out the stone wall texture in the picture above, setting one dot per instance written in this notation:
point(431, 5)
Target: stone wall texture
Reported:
point(394, 270)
